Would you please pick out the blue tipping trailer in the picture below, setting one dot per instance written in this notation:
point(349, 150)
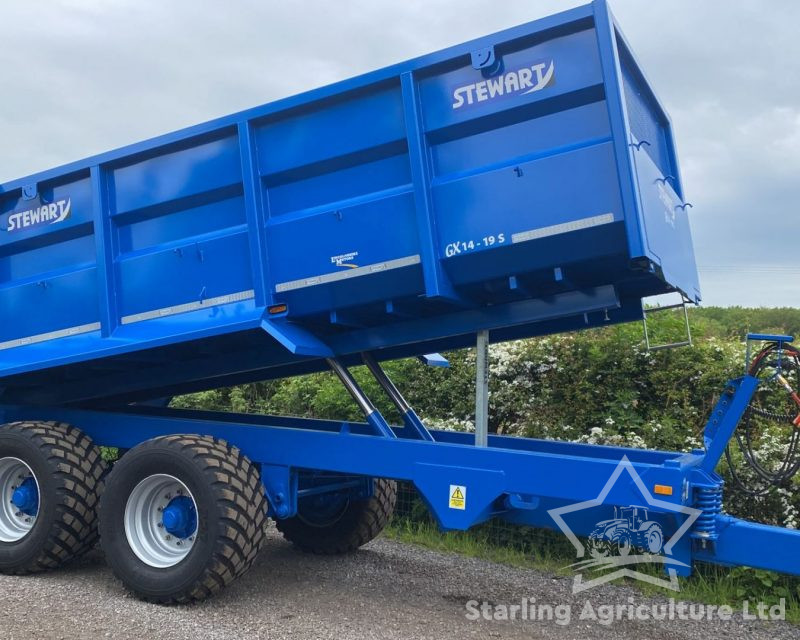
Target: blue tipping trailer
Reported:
point(522, 184)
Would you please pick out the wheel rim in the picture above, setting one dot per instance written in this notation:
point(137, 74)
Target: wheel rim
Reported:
point(19, 490)
point(161, 521)
point(323, 510)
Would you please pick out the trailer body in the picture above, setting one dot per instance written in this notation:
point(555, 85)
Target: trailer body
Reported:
point(525, 183)
point(522, 184)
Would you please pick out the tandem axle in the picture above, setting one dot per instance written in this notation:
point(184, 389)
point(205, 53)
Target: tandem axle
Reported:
point(312, 469)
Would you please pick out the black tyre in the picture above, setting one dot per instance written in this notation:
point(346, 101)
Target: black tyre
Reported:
point(51, 477)
point(342, 529)
point(181, 517)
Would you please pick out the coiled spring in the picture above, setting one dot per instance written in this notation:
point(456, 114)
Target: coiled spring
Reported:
point(709, 502)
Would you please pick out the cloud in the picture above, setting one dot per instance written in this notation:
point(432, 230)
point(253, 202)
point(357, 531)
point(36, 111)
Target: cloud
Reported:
point(85, 76)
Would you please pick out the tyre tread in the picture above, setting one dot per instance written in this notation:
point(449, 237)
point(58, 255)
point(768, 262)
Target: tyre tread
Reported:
point(238, 544)
point(371, 518)
point(80, 469)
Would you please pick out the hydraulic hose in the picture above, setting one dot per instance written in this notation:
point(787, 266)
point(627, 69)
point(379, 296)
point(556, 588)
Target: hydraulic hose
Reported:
point(781, 364)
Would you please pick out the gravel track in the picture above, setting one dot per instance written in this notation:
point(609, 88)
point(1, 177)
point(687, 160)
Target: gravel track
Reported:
point(387, 590)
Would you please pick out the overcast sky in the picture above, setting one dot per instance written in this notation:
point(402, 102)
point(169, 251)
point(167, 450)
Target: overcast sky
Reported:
point(85, 76)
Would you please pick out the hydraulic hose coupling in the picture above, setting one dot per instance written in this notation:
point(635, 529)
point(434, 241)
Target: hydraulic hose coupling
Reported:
point(785, 384)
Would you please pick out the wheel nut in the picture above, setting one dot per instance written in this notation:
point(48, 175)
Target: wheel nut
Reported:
point(168, 496)
point(18, 513)
point(178, 543)
point(160, 525)
point(27, 519)
point(168, 537)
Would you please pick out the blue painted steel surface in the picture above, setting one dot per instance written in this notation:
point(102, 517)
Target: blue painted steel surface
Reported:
point(726, 415)
point(769, 337)
point(752, 544)
point(400, 211)
point(524, 183)
point(26, 497)
point(507, 466)
point(180, 517)
point(517, 479)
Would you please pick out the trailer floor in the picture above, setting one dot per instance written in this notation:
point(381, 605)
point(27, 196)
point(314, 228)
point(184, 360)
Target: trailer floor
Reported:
point(387, 590)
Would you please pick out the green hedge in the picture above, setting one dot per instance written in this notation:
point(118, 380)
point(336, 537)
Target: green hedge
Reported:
point(599, 386)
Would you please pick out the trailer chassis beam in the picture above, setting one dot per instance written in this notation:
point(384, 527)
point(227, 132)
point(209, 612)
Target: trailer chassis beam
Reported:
point(521, 467)
point(521, 480)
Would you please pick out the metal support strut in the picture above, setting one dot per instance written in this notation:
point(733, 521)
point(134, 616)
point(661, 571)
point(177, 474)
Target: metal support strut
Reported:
point(374, 417)
point(410, 417)
point(482, 391)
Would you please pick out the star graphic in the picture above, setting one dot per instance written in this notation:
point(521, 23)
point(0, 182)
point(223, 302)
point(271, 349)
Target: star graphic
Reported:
point(661, 505)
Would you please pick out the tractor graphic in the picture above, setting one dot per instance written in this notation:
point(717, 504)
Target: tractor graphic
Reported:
point(629, 529)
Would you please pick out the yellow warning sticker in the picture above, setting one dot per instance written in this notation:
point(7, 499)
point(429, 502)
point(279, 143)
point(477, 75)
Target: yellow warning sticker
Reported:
point(458, 496)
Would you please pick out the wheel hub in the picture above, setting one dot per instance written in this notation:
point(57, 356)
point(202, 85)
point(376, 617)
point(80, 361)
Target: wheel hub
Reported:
point(179, 517)
point(26, 497)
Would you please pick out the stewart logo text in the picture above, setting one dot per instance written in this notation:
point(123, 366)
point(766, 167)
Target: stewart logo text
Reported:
point(51, 213)
point(525, 80)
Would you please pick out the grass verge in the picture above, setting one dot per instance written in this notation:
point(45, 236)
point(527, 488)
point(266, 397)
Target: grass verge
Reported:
point(547, 551)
